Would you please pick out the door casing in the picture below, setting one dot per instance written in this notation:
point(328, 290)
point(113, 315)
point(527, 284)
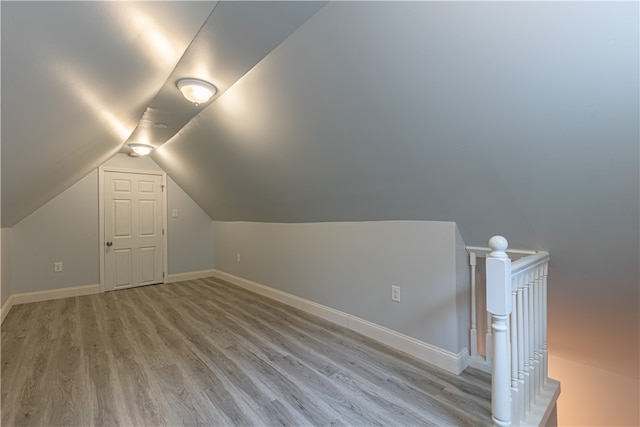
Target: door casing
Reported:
point(101, 206)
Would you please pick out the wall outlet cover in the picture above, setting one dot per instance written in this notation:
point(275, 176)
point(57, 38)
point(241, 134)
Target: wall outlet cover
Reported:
point(395, 293)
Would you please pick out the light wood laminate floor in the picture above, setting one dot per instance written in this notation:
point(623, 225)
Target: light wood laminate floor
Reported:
point(205, 352)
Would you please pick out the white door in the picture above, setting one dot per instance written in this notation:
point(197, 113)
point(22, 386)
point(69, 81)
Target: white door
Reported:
point(133, 230)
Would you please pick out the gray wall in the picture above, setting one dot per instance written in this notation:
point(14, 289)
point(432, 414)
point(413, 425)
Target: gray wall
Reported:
point(190, 235)
point(66, 229)
point(350, 266)
point(5, 253)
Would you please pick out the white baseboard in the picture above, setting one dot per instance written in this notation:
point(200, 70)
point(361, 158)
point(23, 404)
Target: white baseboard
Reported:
point(444, 359)
point(5, 308)
point(455, 363)
point(191, 275)
point(75, 291)
point(36, 296)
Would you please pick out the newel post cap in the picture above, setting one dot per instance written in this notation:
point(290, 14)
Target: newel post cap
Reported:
point(498, 277)
point(498, 245)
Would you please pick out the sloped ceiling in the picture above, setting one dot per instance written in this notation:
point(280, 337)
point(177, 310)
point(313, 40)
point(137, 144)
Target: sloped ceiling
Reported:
point(234, 38)
point(509, 118)
point(76, 78)
point(518, 119)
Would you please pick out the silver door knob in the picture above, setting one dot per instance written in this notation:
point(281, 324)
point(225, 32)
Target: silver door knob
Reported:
point(109, 244)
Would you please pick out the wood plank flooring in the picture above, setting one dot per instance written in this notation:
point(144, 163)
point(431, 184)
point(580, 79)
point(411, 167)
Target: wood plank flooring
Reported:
point(205, 352)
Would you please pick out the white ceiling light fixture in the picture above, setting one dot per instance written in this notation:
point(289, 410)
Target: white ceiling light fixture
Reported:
point(141, 149)
point(196, 91)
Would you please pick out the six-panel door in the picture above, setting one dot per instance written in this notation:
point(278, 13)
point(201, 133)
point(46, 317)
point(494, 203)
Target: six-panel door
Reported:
point(133, 230)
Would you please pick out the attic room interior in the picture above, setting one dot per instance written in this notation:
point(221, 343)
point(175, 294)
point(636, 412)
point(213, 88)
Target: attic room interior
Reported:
point(310, 242)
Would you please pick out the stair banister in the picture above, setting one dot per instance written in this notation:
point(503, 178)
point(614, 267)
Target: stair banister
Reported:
point(516, 352)
point(498, 270)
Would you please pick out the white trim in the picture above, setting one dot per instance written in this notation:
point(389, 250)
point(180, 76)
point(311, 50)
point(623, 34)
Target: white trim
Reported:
point(483, 252)
point(426, 352)
point(191, 275)
point(165, 241)
point(441, 358)
point(75, 291)
point(101, 171)
point(127, 170)
point(5, 308)
point(165, 228)
point(27, 297)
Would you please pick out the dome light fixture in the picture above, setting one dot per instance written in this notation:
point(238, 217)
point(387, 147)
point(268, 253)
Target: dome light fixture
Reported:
point(141, 149)
point(196, 91)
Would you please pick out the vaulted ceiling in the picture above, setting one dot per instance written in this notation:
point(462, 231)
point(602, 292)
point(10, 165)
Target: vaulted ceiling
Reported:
point(516, 118)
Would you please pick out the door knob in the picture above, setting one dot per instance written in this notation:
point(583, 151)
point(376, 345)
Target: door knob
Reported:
point(109, 244)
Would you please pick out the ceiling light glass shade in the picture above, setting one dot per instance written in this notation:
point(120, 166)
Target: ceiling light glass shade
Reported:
point(196, 91)
point(141, 149)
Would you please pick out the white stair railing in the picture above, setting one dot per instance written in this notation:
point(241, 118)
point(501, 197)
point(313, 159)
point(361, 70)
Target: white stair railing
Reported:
point(517, 302)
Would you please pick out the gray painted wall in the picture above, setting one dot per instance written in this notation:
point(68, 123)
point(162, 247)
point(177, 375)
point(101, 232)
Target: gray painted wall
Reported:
point(5, 253)
point(190, 235)
point(66, 229)
point(351, 267)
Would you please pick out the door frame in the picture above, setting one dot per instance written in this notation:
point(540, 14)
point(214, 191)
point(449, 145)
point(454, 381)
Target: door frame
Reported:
point(101, 173)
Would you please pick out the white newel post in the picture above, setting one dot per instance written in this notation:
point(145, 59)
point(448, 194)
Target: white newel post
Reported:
point(499, 305)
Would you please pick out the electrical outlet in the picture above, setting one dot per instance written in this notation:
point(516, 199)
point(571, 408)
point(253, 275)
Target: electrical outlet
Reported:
point(395, 293)
point(57, 267)
point(237, 257)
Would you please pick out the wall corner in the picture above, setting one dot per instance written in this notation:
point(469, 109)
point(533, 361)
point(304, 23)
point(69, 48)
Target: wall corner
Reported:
point(463, 289)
